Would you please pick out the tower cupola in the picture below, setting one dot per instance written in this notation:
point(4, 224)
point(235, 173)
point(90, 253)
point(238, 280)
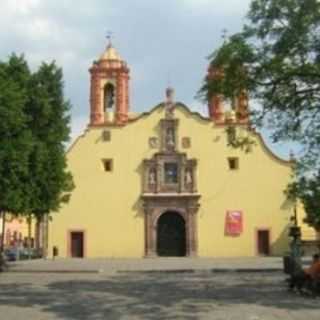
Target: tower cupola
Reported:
point(109, 91)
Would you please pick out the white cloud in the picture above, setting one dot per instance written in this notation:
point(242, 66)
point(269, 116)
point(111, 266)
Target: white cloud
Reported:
point(229, 7)
point(20, 7)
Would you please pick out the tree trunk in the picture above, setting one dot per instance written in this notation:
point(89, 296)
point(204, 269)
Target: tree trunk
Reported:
point(29, 219)
point(3, 216)
point(45, 231)
point(37, 233)
point(2, 261)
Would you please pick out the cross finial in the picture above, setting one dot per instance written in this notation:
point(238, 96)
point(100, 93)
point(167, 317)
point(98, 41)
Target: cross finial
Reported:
point(224, 34)
point(109, 36)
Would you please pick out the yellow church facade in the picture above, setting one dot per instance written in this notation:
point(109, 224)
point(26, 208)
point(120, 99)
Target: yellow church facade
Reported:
point(167, 182)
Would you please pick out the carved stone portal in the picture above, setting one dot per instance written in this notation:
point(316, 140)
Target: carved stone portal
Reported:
point(170, 192)
point(186, 206)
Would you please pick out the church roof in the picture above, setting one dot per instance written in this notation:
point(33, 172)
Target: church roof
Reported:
point(110, 54)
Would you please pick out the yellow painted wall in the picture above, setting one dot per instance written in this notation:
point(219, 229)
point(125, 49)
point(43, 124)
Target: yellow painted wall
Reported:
point(308, 233)
point(107, 205)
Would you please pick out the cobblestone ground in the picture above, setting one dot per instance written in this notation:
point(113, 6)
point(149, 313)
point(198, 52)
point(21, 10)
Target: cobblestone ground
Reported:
point(143, 295)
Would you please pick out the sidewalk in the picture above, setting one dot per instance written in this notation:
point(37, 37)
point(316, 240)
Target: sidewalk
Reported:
point(113, 265)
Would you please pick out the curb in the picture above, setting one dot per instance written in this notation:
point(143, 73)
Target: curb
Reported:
point(173, 271)
point(53, 271)
point(220, 270)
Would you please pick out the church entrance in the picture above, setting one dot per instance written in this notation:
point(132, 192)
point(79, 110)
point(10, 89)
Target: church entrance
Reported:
point(171, 235)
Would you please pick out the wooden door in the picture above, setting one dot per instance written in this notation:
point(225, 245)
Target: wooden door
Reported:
point(171, 235)
point(263, 242)
point(77, 244)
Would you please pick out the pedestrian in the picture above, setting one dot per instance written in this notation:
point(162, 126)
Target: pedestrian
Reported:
point(309, 275)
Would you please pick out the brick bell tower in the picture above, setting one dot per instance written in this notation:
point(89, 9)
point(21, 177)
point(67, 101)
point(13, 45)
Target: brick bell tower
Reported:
point(215, 103)
point(109, 90)
point(240, 110)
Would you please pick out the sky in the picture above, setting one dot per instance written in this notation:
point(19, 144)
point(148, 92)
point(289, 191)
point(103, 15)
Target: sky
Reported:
point(164, 42)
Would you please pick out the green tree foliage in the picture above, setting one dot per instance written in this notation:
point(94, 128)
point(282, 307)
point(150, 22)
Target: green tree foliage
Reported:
point(308, 191)
point(48, 121)
point(15, 136)
point(15, 139)
point(276, 59)
point(33, 132)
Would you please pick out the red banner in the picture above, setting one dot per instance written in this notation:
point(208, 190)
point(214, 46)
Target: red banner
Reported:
point(234, 223)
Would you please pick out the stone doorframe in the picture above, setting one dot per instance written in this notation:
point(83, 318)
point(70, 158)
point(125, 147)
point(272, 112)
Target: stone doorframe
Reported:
point(186, 206)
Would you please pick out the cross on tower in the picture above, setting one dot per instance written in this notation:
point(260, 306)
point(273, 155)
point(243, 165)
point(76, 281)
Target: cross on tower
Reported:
point(224, 35)
point(109, 36)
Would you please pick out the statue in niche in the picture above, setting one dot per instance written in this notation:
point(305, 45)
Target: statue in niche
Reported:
point(152, 177)
point(188, 177)
point(170, 141)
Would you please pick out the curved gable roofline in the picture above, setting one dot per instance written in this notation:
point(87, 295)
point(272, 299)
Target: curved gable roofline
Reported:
point(199, 116)
point(75, 141)
point(265, 147)
point(177, 104)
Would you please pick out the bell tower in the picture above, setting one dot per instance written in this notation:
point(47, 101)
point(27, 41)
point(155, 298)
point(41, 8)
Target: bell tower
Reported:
point(215, 103)
point(240, 110)
point(109, 90)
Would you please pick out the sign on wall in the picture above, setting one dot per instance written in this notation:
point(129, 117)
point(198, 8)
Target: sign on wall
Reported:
point(234, 223)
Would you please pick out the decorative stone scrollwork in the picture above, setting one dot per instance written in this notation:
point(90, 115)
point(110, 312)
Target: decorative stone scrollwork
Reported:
point(169, 111)
point(156, 174)
point(153, 142)
point(170, 139)
point(168, 134)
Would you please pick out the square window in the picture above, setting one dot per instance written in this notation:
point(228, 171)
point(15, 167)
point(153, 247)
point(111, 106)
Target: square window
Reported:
point(107, 165)
point(106, 135)
point(233, 163)
point(171, 172)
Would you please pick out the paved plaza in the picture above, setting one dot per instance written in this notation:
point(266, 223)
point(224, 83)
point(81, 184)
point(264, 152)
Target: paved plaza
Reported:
point(178, 294)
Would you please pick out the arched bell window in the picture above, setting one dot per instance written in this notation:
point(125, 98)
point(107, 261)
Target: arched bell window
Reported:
point(109, 97)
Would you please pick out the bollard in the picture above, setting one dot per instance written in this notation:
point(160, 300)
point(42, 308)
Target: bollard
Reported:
point(55, 252)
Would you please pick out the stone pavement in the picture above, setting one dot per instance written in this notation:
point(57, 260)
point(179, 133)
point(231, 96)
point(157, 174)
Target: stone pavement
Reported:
point(154, 296)
point(110, 265)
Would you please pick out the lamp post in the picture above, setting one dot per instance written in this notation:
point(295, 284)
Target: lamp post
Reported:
point(295, 245)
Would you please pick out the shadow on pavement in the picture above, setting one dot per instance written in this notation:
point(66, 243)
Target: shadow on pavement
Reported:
point(153, 296)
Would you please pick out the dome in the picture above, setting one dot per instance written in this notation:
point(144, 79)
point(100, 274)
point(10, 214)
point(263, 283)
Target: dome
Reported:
point(110, 54)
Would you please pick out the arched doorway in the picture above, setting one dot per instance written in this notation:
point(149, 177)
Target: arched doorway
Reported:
point(171, 235)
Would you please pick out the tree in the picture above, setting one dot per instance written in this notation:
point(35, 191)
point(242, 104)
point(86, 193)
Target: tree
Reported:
point(48, 113)
point(33, 172)
point(15, 139)
point(276, 60)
